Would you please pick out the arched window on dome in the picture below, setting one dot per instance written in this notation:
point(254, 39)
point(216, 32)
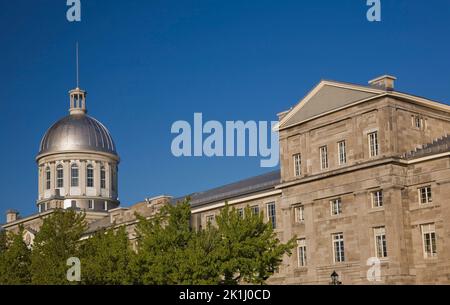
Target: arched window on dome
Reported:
point(59, 176)
point(74, 176)
point(90, 176)
point(48, 176)
point(102, 177)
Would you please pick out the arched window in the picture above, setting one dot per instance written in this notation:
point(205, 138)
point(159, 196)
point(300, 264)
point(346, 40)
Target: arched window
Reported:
point(47, 178)
point(74, 176)
point(90, 176)
point(59, 176)
point(102, 178)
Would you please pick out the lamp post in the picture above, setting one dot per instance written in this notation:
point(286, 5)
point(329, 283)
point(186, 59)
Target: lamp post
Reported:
point(335, 279)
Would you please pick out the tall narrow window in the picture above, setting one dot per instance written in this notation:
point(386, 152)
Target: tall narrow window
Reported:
point(338, 247)
point(59, 176)
point(380, 242)
point(240, 212)
point(271, 214)
point(255, 209)
point(298, 165)
point(210, 219)
point(377, 199)
point(342, 153)
point(323, 157)
point(102, 178)
point(301, 252)
point(417, 122)
point(48, 176)
point(425, 195)
point(299, 214)
point(74, 175)
point(91, 204)
point(373, 144)
point(429, 240)
point(114, 179)
point(336, 206)
point(90, 176)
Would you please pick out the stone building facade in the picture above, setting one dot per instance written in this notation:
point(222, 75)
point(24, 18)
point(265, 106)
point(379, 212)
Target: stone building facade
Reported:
point(364, 181)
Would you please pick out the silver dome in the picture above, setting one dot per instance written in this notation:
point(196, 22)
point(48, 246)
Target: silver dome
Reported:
point(77, 132)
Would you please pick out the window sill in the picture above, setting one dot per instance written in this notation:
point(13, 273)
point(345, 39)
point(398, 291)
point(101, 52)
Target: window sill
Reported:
point(424, 206)
point(376, 209)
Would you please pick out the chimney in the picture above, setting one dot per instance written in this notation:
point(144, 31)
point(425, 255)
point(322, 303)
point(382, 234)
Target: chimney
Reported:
point(11, 216)
point(385, 82)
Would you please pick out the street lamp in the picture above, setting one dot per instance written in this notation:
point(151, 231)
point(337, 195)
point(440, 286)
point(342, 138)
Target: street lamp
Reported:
point(335, 279)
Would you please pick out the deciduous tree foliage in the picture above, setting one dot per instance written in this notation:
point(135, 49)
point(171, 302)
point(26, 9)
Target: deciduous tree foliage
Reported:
point(106, 257)
point(236, 249)
point(15, 259)
point(57, 241)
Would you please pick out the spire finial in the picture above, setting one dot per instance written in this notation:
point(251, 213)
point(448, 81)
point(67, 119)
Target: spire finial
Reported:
point(78, 68)
point(77, 96)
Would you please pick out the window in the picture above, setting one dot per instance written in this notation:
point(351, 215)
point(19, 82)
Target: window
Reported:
point(255, 209)
point(114, 178)
point(323, 157)
point(271, 214)
point(102, 178)
point(59, 176)
point(380, 242)
point(90, 176)
point(417, 122)
point(425, 195)
point(73, 204)
point(336, 206)
point(299, 213)
point(105, 206)
point(74, 175)
point(377, 199)
point(373, 144)
point(301, 252)
point(429, 240)
point(47, 178)
point(91, 204)
point(342, 153)
point(298, 165)
point(210, 219)
point(241, 212)
point(338, 247)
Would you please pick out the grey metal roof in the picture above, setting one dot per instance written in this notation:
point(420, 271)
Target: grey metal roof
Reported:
point(233, 190)
point(77, 132)
point(437, 146)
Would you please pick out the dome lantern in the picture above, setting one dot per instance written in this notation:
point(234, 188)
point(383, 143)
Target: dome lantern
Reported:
point(77, 101)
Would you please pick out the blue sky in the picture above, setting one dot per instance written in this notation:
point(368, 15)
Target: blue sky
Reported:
point(149, 63)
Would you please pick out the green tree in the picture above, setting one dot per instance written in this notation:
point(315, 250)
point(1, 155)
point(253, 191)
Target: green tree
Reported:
point(15, 259)
point(236, 250)
point(250, 251)
point(162, 241)
point(57, 241)
point(106, 258)
point(2, 241)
